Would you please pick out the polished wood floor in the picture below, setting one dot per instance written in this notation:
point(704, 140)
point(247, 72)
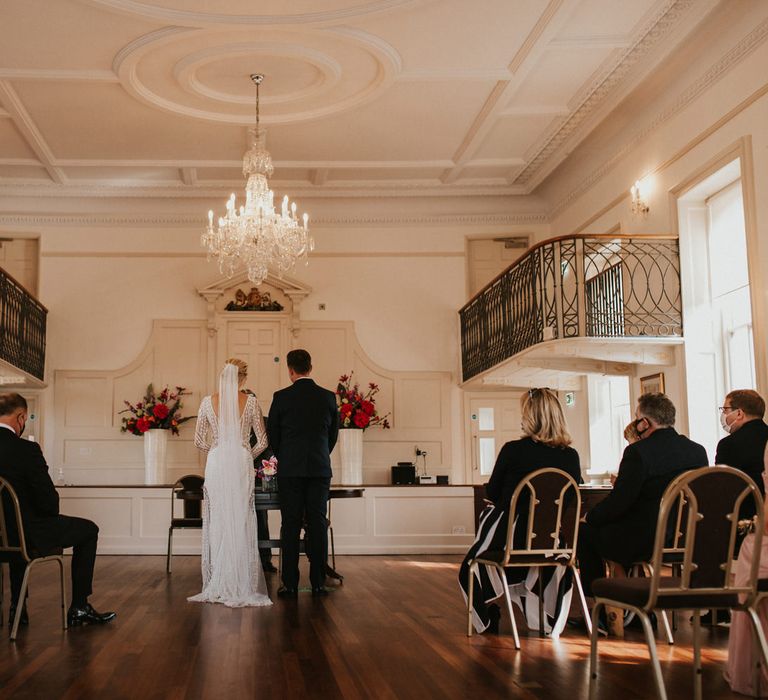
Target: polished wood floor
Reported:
point(394, 629)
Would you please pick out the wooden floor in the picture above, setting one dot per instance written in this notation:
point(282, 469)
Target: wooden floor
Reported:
point(394, 629)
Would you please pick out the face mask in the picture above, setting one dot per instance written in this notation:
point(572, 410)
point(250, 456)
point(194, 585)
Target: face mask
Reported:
point(724, 423)
point(637, 426)
point(21, 429)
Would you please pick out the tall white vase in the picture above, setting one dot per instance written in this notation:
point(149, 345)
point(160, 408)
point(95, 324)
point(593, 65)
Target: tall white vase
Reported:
point(155, 450)
point(351, 456)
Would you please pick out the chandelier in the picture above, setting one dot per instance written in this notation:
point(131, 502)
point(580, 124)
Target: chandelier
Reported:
point(256, 235)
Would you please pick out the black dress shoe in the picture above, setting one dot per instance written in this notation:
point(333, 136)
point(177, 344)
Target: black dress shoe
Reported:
point(269, 567)
point(285, 592)
point(86, 615)
point(319, 591)
point(23, 620)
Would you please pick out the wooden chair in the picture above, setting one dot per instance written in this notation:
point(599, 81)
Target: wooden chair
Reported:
point(13, 543)
point(188, 489)
point(546, 490)
point(672, 556)
point(713, 497)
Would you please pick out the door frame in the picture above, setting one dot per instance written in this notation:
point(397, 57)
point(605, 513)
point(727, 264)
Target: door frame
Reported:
point(466, 413)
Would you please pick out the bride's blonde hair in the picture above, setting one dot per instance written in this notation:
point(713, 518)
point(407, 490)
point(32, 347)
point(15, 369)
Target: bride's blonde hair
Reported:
point(242, 368)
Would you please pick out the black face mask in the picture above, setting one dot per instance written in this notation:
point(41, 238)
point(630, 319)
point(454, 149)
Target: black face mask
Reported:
point(637, 426)
point(21, 430)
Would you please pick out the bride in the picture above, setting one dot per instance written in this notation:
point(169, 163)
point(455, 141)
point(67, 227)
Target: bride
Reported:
point(232, 572)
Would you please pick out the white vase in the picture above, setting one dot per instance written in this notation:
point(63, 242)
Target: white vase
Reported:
point(351, 456)
point(155, 450)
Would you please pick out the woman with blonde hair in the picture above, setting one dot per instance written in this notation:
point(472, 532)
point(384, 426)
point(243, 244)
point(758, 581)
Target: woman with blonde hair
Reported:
point(231, 566)
point(546, 443)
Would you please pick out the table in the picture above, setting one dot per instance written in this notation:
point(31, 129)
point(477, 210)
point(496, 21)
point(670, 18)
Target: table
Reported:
point(270, 500)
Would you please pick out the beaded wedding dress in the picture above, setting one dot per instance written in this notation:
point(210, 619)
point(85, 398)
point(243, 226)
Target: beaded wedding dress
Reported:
point(232, 571)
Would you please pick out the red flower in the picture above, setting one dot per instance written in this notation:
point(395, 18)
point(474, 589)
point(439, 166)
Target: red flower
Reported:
point(361, 420)
point(142, 425)
point(367, 407)
point(345, 409)
point(161, 411)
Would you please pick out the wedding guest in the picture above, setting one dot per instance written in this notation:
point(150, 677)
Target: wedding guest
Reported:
point(742, 650)
point(622, 527)
point(741, 416)
point(303, 426)
point(22, 464)
point(546, 444)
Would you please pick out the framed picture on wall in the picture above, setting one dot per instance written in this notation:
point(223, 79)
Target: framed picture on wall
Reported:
point(652, 384)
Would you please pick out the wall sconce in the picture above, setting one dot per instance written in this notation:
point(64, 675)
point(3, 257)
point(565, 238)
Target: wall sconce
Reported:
point(639, 201)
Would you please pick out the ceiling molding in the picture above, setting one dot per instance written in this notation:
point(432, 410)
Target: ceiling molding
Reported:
point(534, 35)
point(29, 131)
point(595, 94)
point(59, 74)
point(711, 76)
point(204, 19)
point(167, 189)
point(186, 220)
point(128, 62)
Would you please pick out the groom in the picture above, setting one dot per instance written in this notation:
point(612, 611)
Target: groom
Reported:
point(302, 428)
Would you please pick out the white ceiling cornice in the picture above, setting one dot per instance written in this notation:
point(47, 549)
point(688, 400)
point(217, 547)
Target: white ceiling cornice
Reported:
point(209, 19)
point(714, 73)
point(26, 221)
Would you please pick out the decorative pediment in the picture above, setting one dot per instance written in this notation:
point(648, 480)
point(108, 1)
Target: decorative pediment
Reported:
point(237, 294)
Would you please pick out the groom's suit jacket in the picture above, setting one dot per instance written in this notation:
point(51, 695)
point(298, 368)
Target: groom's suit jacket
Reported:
point(22, 464)
point(302, 428)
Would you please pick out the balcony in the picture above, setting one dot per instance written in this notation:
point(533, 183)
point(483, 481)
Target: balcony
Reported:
point(22, 335)
point(575, 305)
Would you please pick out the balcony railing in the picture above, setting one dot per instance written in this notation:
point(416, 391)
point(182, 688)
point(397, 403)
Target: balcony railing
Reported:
point(22, 327)
point(598, 286)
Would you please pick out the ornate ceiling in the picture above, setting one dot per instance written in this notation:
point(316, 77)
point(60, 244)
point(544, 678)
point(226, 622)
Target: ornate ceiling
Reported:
point(376, 97)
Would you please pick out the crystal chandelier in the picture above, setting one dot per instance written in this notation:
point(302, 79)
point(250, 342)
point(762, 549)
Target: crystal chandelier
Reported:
point(256, 235)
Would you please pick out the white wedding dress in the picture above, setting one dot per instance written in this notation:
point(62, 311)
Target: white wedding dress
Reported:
point(232, 571)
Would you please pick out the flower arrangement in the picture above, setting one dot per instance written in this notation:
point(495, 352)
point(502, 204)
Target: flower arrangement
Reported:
point(268, 468)
point(358, 409)
point(155, 411)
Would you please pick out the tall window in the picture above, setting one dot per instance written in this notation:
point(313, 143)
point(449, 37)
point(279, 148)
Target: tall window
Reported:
point(729, 277)
point(717, 311)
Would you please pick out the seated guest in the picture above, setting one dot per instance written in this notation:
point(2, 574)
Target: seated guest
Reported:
point(742, 650)
point(546, 444)
point(741, 416)
point(22, 464)
point(630, 432)
point(622, 527)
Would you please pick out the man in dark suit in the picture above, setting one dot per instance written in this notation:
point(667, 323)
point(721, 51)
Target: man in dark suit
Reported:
point(303, 426)
point(741, 416)
point(622, 527)
point(22, 464)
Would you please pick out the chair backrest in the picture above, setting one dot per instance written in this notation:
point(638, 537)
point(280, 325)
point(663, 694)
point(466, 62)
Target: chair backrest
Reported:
point(546, 530)
point(189, 489)
point(707, 535)
point(11, 527)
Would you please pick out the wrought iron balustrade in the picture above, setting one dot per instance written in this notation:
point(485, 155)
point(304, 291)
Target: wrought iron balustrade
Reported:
point(22, 327)
point(598, 286)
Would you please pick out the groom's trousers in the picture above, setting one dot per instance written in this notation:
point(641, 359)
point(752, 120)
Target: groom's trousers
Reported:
point(304, 501)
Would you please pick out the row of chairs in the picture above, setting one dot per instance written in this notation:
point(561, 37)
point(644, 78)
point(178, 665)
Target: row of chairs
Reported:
point(703, 505)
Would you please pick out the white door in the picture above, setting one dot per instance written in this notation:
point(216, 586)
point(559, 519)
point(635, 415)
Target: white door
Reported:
point(487, 258)
point(492, 422)
point(259, 343)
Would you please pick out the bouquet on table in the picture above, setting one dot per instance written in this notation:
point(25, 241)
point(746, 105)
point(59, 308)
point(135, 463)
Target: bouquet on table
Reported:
point(161, 411)
point(267, 472)
point(358, 409)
